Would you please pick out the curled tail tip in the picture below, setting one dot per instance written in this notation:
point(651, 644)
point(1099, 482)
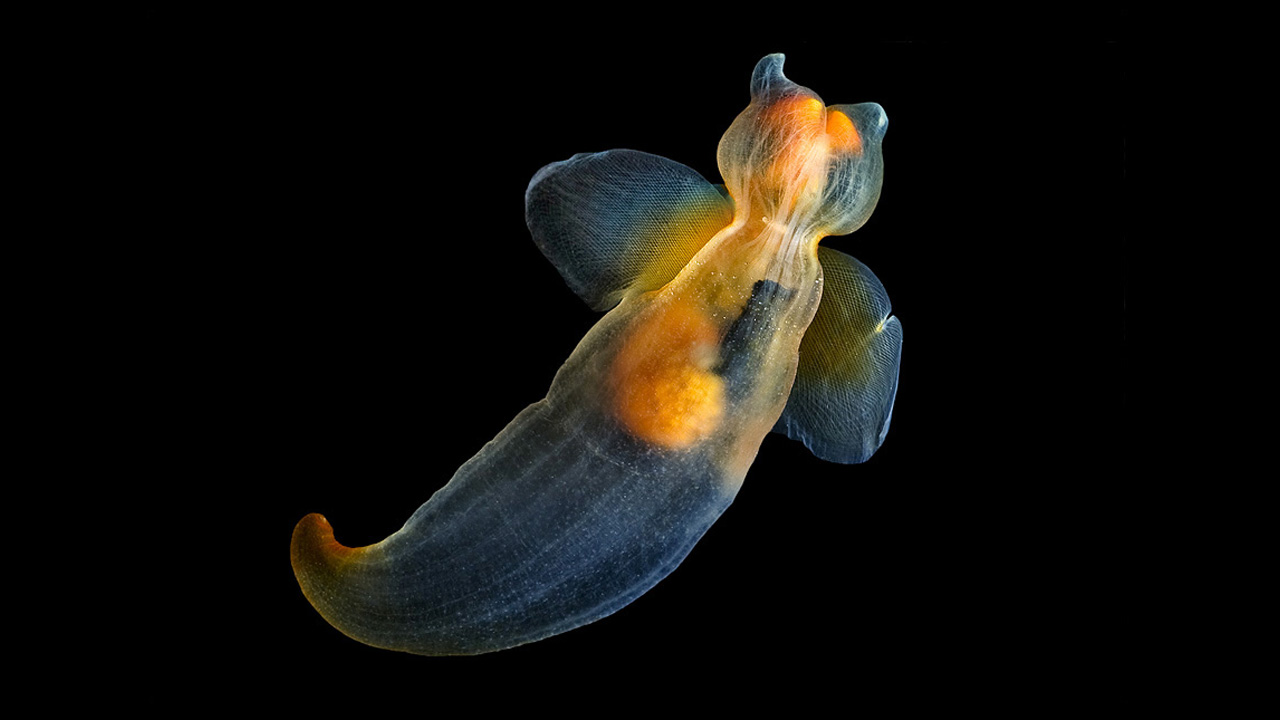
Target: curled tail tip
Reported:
point(314, 549)
point(329, 580)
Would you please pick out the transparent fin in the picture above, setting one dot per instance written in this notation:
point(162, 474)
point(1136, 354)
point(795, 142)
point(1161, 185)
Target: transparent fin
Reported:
point(621, 220)
point(842, 400)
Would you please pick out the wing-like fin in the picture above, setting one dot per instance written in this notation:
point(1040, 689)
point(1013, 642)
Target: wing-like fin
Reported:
point(842, 400)
point(621, 221)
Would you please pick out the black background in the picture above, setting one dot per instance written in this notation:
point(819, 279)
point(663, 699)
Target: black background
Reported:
point(390, 315)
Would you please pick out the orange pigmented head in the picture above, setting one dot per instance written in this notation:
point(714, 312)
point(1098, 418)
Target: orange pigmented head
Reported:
point(804, 137)
point(789, 161)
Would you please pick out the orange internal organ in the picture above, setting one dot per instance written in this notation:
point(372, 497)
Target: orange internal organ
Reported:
point(809, 132)
point(844, 135)
point(665, 391)
point(797, 122)
point(804, 112)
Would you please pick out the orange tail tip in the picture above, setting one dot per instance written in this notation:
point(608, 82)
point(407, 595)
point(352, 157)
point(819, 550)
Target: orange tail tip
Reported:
point(314, 548)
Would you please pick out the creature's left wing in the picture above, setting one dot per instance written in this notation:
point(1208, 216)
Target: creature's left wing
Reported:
point(621, 221)
point(842, 399)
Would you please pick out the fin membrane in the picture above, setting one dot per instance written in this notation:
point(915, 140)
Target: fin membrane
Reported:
point(842, 400)
point(621, 221)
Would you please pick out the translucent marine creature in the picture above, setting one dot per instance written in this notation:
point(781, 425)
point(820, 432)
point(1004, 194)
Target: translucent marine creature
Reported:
point(725, 321)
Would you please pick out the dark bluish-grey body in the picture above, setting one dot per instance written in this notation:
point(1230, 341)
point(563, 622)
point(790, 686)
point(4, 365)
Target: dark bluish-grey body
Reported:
point(518, 535)
point(561, 519)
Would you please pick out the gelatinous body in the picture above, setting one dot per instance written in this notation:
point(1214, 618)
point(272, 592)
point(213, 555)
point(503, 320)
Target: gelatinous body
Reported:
point(726, 321)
